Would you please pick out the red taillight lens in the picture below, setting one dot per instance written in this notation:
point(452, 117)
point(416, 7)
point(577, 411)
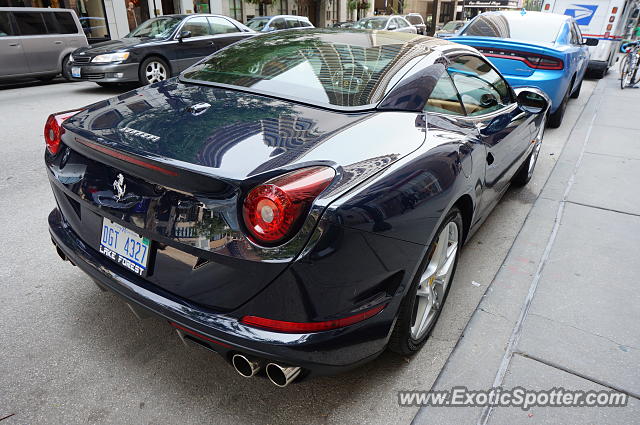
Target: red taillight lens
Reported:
point(531, 60)
point(546, 6)
point(53, 130)
point(303, 327)
point(271, 210)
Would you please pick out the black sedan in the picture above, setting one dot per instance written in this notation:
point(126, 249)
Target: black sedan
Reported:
point(156, 50)
point(296, 202)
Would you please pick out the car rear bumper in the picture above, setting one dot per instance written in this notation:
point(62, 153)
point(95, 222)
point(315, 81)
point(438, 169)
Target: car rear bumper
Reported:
point(107, 73)
point(319, 353)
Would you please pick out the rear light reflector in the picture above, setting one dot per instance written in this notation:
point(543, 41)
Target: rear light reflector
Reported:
point(614, 10)
point(271, 211)
point(609, 27)
point(53, 130)
point(304, 327)
point(546, 6)
point(532, 60)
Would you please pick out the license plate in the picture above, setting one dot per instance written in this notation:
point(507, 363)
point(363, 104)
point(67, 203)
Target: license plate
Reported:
point(124, 246)
point(75, 71)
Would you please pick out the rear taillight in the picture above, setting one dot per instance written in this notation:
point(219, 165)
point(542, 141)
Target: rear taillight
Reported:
point(272, 210)
point(532, 60)
point(305, 327)
point(53, 130)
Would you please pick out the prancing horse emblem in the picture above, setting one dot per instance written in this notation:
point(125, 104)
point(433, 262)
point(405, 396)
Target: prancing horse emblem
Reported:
point(119, 187)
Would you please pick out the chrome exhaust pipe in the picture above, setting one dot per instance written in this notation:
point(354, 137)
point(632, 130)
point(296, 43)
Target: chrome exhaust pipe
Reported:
point(282, 376)
point(244, 366)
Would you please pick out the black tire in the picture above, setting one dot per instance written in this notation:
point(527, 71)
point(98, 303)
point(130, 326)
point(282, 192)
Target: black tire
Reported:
point(599, 72)
point(142, 71)
point(65, 73)
point(401, 341)
point(555, 119)
point(576, 92)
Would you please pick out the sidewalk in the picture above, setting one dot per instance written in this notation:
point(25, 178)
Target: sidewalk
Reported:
point(564, 309)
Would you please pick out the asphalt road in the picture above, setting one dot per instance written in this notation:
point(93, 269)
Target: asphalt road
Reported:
point(72, 354)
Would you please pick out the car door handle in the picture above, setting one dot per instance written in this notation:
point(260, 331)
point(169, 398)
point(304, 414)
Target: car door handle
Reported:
point(14, 44)
point(57, 42)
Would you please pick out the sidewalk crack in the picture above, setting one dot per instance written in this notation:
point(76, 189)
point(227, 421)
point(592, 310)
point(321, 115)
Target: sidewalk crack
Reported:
point(584, 330)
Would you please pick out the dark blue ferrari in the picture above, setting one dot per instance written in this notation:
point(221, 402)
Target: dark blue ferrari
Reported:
point(297, 201)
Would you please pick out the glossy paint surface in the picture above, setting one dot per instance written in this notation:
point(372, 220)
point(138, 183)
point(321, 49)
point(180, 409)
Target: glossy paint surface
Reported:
point(189, 154)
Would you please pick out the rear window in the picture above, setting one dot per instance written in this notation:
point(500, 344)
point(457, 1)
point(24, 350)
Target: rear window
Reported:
point(415, 19)
point(313, 66)
point(66, 23)
point(5, 25)
point(528, 27)
point(30, 23)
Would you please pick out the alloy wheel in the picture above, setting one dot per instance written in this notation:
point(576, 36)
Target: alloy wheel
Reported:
point(155, 72)
point(435, 280)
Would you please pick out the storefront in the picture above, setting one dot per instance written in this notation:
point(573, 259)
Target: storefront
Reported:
point(473, 8)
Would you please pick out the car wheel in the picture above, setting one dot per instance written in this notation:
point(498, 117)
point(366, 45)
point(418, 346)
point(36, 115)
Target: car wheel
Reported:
point(153, 70)
point(422, 305)
point(65, 73)
point(555, 119)
point(576, 92)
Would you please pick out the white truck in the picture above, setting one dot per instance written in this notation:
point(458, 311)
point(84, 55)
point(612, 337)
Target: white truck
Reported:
point(610, 21)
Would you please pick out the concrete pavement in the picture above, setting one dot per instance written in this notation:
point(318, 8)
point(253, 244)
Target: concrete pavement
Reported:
point(564, 309)
point(71, 354)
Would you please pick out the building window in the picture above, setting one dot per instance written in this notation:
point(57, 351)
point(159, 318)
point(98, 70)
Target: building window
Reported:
point(283, 7)
point(137, 12)
point(235, 9)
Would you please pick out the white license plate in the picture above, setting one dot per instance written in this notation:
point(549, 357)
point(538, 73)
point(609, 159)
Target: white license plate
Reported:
point(75, 71)
point(124, 246)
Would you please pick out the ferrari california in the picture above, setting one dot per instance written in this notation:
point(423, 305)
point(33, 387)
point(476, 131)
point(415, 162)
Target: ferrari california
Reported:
point(297, 201)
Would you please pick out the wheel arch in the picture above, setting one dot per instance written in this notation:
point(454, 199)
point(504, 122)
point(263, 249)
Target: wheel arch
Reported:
point(466, 207)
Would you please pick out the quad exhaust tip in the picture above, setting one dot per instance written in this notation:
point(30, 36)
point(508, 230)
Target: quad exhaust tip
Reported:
point(282, 376)
point(244, 366)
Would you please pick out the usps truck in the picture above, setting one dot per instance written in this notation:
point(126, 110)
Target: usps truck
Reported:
point(610, 21)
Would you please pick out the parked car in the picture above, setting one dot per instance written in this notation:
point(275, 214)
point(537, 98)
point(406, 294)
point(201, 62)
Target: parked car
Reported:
point(286, 202)
point(416, 20)
point(157, 49)
point(387, 23)
point(36, 42)
point(345, 24)
point(543, 50)
point(449, 29)
point(278, 22)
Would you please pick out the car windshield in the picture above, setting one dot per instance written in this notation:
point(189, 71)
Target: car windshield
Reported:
point(414, 19)
point(532, 26)
point(372, 23)
point(161, 27)
point(341, 68)
point(452, 26)
point(257, 24)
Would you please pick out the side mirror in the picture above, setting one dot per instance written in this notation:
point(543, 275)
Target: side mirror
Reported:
point(532, 100)
point(590, 41)
point(184, 34)
point(392, 27)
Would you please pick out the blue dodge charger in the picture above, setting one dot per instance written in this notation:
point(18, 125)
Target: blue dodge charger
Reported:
point(534, 49)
